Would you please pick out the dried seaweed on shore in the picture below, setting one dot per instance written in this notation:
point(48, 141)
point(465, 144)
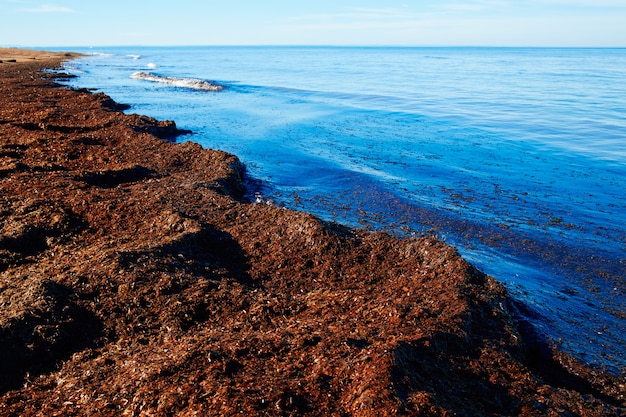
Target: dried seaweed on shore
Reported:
point(134, 280)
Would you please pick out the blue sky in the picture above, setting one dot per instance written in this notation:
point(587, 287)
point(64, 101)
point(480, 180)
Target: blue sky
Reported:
point(319, 22)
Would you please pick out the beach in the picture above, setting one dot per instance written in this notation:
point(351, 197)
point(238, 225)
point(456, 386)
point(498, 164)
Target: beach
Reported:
point(136, 279)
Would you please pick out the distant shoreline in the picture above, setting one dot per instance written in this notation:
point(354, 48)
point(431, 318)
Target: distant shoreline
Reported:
point(17, 55)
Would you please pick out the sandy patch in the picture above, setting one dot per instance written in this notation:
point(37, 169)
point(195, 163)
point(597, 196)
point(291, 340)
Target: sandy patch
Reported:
point(15, 55)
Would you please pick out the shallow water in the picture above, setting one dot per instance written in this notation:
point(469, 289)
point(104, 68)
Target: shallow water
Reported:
point(515, 156)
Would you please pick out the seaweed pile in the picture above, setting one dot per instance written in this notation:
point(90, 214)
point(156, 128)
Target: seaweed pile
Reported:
point(136, 279)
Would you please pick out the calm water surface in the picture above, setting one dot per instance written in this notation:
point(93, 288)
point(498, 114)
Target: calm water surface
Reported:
point(515, 156)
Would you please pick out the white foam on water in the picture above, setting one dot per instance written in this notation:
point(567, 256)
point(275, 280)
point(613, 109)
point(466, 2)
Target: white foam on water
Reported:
point(101, 54)
point(192, 83)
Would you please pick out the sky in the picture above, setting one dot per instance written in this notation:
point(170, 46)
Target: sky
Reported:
point(60, 23)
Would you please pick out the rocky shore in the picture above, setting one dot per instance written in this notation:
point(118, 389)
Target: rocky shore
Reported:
point(136, 281)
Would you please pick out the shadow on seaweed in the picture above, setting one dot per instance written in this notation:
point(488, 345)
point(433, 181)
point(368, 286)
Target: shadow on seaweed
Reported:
point(38, 341)
point(33, 240)
point(113, 178)
point(541, 360)
point(209, 250)
point(435, 365)
point(197, 261)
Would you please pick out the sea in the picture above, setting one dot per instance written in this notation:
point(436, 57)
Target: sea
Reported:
point(515, 156)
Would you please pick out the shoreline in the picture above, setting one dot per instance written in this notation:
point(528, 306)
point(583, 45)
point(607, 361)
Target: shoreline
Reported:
point(136, 280)
point(18, 55)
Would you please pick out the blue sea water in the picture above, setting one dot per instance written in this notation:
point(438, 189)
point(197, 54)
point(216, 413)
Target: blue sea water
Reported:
point(516, 156)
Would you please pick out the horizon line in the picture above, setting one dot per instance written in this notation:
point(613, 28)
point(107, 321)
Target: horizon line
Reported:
point(313, 46)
